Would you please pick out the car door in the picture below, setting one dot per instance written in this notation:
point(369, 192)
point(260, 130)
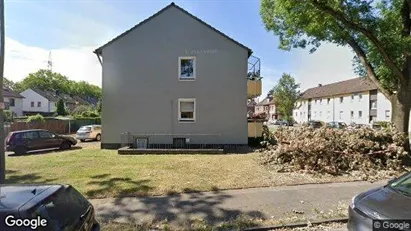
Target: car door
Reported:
point(32, 140)
point(49, 139)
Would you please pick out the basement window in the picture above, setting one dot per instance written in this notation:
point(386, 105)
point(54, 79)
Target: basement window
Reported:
point(186, 110)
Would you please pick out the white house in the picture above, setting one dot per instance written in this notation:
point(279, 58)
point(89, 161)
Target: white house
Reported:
point(355, 100)
point(13, 101)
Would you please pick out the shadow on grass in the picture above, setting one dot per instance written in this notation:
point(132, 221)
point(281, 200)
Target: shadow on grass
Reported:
point(46, 151)
point(106, 186)
point(189, 209)
point(14, 177)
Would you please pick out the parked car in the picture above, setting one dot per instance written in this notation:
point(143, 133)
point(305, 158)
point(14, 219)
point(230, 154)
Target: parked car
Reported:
point(336, 124)
point(283, 123)
point(89, 132)
point(391, 201)
point(20, 142)
point(315, 124)
point(61, 207)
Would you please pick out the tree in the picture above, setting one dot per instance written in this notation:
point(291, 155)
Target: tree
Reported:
point(52, 81)
point(99, 106)
point(377, 31)
point(8, 83)
point(60, 108)
point(285, 94)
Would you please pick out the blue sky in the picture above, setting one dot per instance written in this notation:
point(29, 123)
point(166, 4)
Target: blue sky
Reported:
point(71, 29)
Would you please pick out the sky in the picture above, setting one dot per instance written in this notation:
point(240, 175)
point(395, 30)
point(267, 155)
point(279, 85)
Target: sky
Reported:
point(71, 29)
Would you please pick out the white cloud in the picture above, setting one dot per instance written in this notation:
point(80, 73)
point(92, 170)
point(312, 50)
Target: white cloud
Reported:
point(77, 63)
point(327, 65)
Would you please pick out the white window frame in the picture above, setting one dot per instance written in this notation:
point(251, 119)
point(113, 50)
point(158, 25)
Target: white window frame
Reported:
point(359, 97)
point(341, 99)
point(185, 120)
point(352, 114)
point(194, 68)
point(373, 102)
point(387, 114)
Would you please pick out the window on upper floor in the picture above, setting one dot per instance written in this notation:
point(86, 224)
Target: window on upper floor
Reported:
point(12, 102)
point(374, 105)
point(186, 68)
point(352, 114)
point(328, 101)
point(321, 101)
point(38, 104)
point(341, 99)
point(31, 104)
point(359, 97)
point(352, 97)
point(359, 114)
point(186, 110)
point(387, 114)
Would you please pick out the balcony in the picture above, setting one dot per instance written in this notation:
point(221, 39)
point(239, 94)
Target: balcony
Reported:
point(254, 83)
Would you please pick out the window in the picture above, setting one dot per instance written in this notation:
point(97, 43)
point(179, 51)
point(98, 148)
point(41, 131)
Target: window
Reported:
point(359, 97)
point(321, 101)
point(359, 114)
point(352, 97)
point(352, 114)
point(315, 101)
point(39, 104)
point(315, 114)
point(341, 99)
point(328, 114)
point(44, 134)
point(341, 114)
point(31, 135)
point(32, 104)
point(374, 105)
point(301, 113)
point(328, 101)
point(186, 68)
point(321, 114)
point(186, 109)
point(12, 102)
point(387, 114)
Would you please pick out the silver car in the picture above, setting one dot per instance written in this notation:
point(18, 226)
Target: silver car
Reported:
point(89, 132)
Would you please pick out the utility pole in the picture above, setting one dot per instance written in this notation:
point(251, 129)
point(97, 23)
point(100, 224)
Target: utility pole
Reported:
point(2, 151)
point(50, 63)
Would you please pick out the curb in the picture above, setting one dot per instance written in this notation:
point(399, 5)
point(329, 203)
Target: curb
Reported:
point(296, 225)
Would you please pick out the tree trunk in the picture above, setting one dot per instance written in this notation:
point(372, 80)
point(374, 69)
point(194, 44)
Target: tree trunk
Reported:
point(400, 117)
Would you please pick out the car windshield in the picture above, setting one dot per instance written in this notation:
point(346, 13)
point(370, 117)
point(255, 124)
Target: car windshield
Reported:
point(63, 210)
point(403, 184)
point(85, 129)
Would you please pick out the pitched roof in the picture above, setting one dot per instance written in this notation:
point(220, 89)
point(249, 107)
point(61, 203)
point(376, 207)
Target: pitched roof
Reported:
point(266, 101)
point(54, 96)
point(7, 92)
point(340, 88)
point(99, 50)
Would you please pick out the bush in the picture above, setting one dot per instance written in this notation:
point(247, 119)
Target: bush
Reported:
point(336, 151)
point(79, 110)
point(35, 118)
point(8, 116)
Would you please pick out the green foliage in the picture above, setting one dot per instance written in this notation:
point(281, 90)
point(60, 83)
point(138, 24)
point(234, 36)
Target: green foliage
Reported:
point(91, 114)
point(8, 83)
point(377, 29)
point(8, 116)
point(285, 95)
point(80, 109)
point(60, 108)
point(47, 80)
point(99, 106)
point(35, 118)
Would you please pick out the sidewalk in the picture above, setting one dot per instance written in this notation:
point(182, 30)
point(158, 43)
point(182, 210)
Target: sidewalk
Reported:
point(216, 207)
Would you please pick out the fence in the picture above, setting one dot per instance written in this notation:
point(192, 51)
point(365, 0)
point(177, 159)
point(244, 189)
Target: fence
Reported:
point(55, 125)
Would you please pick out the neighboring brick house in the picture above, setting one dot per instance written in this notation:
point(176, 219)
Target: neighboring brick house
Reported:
point(267, 108)
point(251, 107)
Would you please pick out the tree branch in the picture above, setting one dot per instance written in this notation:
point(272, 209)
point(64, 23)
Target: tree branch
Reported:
point(370, 70)
point(340, 17)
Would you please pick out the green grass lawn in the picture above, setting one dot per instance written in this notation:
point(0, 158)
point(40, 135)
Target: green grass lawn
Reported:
point(103, 173)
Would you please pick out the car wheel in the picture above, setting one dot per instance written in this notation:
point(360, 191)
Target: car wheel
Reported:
point(65, 145)
point(82, 140)
point(20, 150)
point(98, 137)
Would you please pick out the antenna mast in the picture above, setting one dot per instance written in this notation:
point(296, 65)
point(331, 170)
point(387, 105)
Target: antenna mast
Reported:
point(50, 63)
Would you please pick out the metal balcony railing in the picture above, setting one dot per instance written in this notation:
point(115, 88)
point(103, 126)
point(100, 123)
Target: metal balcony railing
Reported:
point(254, 66)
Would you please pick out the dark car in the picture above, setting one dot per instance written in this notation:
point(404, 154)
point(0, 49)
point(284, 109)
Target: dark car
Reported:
point(315, 124)
point(45, 207)
point(283, 123)
point(391, 201)
point(20, 142)
point(335, 124)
